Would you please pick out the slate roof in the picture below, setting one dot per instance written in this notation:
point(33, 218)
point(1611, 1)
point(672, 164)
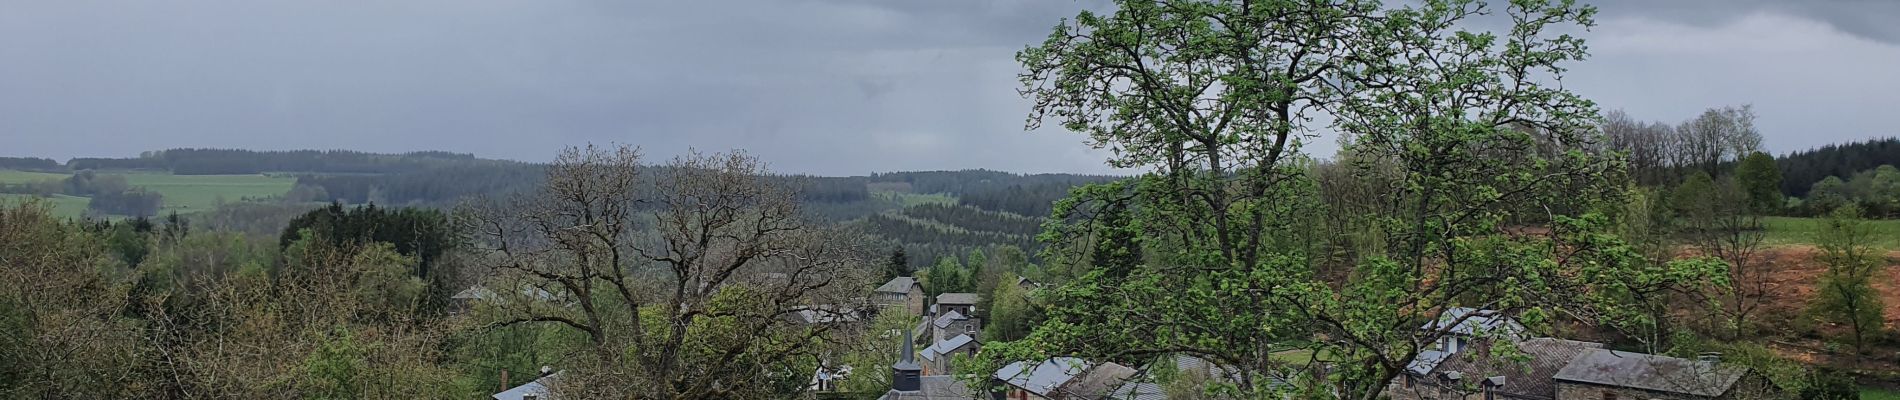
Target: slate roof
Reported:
point(1426, 361)
point(1042, 378)
point(1528, 379)
point(958, 298)
point(935, 387)
point(538, 388)
point(1138, 390)
point(947, 318)
point(945, 347)
point(898, 285)
point(1454, 320)
point(1652, 372)
point(1097, 382)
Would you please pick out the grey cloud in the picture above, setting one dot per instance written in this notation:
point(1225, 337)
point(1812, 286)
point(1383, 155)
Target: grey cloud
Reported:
point(813, 86)
point(816, 86)
point(1872, 19)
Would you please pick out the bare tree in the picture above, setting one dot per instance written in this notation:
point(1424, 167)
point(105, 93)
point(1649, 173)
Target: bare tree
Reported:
point(1720, 224)
point(691, 284)
point(1719, 135)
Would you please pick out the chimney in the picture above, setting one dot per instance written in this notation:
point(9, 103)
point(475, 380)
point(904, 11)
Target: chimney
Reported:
point(504, 381)
point(906, 375)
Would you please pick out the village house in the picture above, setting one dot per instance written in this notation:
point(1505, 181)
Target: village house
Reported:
point(1467, 364)
point(1063, 378)
point(1615, 375)
point(937, 357)
point(964, 303)
point(953, 323)
point(902, 291)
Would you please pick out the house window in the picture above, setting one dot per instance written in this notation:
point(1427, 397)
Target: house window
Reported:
point(1608, 395)
point(1408, 381)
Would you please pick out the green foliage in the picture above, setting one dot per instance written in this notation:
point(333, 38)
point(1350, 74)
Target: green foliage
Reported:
point(898, 265)
point(1212, 97)
point(871, 351)
point(948, 276)
point(1847, 296)
point(1761, 179)
point(1828, 194)
point(413, 232)
point(1803, 168)
point(1012, 313)
point(334, 370)
point(1695, 198)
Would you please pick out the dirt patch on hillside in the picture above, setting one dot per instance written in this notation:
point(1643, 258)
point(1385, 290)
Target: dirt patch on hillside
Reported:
point(1796, 277)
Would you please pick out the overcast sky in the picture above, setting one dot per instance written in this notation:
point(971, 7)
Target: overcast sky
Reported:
point(827, 87)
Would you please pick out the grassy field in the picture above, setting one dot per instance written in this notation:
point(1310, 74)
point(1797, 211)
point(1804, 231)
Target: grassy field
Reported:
point(1878, 394)
point(17, 177)
point(64, 206)
point(193, 193)
point(1790, 230)
point(183, 193)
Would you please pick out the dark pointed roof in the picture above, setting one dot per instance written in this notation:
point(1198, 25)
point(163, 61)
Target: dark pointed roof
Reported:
point(909, 362)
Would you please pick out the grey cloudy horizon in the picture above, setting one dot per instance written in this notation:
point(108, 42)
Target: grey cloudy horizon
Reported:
point(831, 87)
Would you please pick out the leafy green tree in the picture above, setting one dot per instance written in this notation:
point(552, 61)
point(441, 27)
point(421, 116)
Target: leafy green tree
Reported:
point(1761, 179)
point(1847, 295)
point(947, 276)
point(1214, 97)
point(1117, 245)
point(1827, 195)
point(870, 351)
point(1694, 200)
point(1012, 314)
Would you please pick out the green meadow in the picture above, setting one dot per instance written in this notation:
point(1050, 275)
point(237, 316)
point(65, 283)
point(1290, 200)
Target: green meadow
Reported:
point(63, 206)
point(183, 193)
point(1791, 230)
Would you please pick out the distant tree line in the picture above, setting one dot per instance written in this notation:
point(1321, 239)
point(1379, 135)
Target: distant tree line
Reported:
point(1801, 170)
point(1875, 192)
point(30, 164)
point(432, 186)
point(1661, 153)
point(233, 161)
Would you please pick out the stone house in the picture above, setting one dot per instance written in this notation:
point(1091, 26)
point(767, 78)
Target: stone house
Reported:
point(954, 323)
point(1063, 378)
point(1615, 375)
point(902, 291)
point(937, 357)
point(964, 303)
point(1476, 374)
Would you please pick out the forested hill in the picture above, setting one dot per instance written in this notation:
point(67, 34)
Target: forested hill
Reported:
point(931, 214)
point(1802, 169)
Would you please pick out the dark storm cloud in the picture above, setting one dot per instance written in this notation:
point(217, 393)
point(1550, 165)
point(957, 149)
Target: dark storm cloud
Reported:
point(1871, 19)
point(821, 86)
